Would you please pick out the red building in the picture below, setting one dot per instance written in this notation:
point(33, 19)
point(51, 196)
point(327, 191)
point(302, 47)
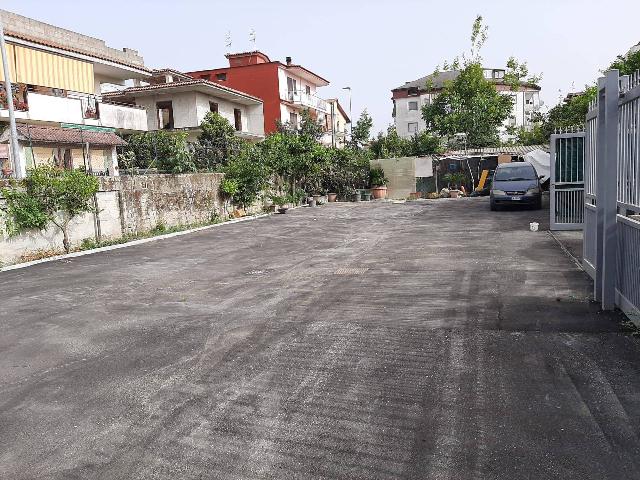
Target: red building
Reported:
point(285, 88)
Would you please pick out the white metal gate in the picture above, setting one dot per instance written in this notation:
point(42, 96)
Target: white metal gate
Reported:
point(567, 181)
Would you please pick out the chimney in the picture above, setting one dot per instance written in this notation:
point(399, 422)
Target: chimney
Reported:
point(288, 60)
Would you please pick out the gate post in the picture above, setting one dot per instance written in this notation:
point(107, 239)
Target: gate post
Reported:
point(606, 189)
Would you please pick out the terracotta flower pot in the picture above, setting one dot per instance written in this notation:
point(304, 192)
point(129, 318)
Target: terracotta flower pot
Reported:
point(332, 197)
point(379, 192)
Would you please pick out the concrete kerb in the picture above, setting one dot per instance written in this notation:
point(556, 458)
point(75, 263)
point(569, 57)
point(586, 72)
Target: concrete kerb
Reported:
point(130, 244)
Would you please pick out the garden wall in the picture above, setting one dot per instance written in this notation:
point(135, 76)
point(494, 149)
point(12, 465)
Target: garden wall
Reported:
point(127, 205)
point(403, 173)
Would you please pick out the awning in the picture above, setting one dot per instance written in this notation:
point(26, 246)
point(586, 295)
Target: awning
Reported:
point(65, 136)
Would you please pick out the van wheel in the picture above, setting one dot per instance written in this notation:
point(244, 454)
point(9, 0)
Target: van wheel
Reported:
point(493, 207)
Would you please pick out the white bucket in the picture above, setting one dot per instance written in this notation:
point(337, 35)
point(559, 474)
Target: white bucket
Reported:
point(533, 226)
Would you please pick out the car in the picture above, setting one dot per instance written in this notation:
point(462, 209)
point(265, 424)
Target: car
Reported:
point(516, 183)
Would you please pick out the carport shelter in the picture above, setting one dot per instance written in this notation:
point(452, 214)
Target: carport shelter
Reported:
point(91, 148)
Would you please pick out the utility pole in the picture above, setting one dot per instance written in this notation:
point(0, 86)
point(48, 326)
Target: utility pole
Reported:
point(18, 166)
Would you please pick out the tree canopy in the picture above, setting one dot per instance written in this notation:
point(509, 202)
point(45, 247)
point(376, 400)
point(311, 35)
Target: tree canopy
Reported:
point(469, 105)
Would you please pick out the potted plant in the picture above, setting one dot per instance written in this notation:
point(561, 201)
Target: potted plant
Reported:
point(378, 183)
point(455, 182)
point(332, 197)
point(282, 202)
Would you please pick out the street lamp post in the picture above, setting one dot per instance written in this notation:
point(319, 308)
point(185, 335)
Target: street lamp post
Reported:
point(18, 166)
point(350, 113)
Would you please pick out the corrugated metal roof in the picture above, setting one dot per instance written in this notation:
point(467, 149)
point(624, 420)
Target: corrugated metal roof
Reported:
point(519, 150)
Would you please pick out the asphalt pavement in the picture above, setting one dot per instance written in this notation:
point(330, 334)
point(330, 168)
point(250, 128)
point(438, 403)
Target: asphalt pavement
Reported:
point(425, 340)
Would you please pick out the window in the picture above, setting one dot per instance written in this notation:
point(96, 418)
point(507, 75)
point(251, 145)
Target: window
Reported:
point(487, 73)
point(165, 115)
point(293, 119)
point(413, 105)
point(237, 116)
point(426, 100)
point(213, 107)
point(413, 127)
point(524, 172)
point(529, 98)
point(413, 91)
point(292, 86)
point(307, 89)
point(222, 77)
point(498, 74)
point(206, 76)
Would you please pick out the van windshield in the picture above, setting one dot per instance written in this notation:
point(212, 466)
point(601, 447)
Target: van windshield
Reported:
point(513, 174)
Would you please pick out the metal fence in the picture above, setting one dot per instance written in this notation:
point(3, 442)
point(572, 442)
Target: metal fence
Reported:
point(567, 180)
point(611, 249)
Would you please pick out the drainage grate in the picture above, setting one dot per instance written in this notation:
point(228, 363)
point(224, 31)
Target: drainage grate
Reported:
point(350, 271)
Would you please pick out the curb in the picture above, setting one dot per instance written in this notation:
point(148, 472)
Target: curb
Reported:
point(129, 244)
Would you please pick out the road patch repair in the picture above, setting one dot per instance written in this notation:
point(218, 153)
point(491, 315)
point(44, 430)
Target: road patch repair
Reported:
point(367, 340)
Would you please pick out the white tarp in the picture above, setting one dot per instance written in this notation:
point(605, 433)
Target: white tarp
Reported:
point(424, 167)
point(541, 161)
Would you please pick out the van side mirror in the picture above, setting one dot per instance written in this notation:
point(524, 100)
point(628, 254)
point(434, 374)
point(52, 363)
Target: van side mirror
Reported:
point(540, 177)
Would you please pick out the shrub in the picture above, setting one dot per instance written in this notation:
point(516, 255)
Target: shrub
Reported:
point(217, 143)
point(377, 178)
point(166, 151)
point(49, 195)
point(229, 187)
point(248, 171)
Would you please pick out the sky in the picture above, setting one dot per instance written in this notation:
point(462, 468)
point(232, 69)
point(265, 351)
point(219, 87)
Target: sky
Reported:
point(371, 46)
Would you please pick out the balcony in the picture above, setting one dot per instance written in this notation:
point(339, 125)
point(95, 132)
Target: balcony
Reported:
point(123, 117)
point(82, 110)
point(299, 97)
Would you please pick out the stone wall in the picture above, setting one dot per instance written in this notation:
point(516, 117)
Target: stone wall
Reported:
point(149, 200)
point(127, 205)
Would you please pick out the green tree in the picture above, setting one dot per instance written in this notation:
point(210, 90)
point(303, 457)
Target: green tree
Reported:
point(249, 173)
point(361, 132)
point(344, 171)
point(216, 143)
point(470, 104)
point(424, 143)
point(390, 145)
point(167, 151)
point(627, 64)
point(49, 195)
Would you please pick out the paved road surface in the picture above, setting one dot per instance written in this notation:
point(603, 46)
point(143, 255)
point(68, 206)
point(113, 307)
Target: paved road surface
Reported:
point(429, 340)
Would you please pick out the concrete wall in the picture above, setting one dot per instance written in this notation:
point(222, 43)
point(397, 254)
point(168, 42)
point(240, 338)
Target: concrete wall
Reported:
point(122, 117)
point(401, 173)
point(127, 204)
point(190, 108)
point(14, 23)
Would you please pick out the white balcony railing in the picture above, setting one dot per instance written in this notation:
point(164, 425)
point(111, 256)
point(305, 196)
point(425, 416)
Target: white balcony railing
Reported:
point(82, 110)
point(305, 99)
point(123, 117)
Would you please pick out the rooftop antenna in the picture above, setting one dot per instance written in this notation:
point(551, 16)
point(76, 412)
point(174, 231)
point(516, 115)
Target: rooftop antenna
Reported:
point(252, 38)
point(228, 41)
